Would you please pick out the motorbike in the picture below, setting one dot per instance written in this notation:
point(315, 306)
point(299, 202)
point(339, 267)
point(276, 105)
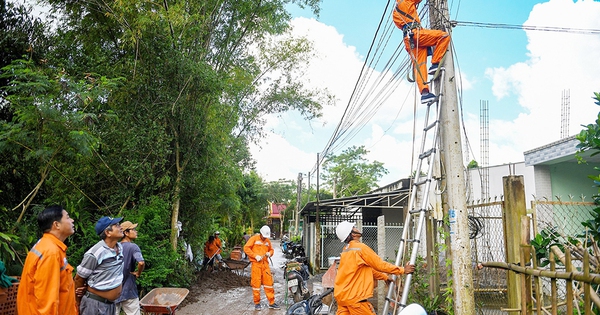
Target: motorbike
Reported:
point(296, 275)
point(292, 250)
point(313, 305)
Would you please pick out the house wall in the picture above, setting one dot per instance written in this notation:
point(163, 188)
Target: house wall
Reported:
point(496, 188)
point(569, 178)
point(543, 182)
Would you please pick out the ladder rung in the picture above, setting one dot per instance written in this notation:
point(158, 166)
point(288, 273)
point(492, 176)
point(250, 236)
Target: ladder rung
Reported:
point(417, 211)
point(422, 182)
point(426, 153)
point(411, 240)
point(431, 126)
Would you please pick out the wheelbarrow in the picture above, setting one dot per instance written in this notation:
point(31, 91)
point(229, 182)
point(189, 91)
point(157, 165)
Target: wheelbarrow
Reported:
point(236, 266)
point(163, 300)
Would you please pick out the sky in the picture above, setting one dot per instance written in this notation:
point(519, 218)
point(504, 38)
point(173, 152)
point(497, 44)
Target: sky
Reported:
point(521, 74)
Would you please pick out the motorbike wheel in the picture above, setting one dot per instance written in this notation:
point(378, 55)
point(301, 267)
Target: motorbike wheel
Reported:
point(297, 296)
point(297, 309)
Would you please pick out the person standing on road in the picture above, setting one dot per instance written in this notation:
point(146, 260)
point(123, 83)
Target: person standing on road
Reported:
point(259, 249)
point(47, 285)
point(219, 244)
point(359, 265)
point(101, 270)
point(129, 300)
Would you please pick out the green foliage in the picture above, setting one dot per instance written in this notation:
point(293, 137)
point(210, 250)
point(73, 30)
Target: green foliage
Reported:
point(420, 291)
point(145, 110)
point(542, 242)
point(473, 164)
point(349, 174)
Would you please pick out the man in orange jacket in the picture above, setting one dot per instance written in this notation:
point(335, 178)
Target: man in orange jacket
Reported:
point(417, 41)
point(259, 249)
point(210, 251)
point(359, 266)
point(47, 285)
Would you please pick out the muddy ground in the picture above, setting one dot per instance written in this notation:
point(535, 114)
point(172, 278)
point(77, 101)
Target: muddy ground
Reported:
point(227, 292)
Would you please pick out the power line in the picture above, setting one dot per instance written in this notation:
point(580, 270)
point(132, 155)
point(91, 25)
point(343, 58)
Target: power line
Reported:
point(587, 31)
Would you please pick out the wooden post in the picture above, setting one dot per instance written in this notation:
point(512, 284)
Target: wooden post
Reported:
point(526, 258)
point(553, 289)
point(569, 268)
point(587, 304)
point(513, 211)
point(538, 284)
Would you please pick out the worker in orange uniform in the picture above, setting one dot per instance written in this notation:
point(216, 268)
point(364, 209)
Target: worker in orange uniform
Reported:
point(359, 266)
point(47, 285)
point(417, 41)
point(259, 249)
point(210, 252)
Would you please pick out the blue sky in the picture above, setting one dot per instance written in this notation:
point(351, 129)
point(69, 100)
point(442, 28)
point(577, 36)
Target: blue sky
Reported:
point(520, 73)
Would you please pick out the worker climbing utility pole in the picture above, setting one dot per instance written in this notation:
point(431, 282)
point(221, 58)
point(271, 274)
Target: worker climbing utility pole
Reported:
point(455, 192)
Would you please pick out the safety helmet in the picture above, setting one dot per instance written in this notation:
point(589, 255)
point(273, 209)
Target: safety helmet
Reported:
point(413, 309)
point(265, 231)
point(217, 233)
point(343, 230)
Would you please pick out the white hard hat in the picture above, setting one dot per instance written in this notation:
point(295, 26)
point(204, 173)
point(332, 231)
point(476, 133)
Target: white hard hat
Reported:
point(413, 309)
point(343, 230)
point(217, 232)
point(265, 231)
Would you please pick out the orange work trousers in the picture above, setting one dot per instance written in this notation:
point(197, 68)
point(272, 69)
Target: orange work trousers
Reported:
point(423, 38)
point(260, 273)
point(362, 308)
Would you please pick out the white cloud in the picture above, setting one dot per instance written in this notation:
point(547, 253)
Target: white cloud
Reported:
point(557, 62)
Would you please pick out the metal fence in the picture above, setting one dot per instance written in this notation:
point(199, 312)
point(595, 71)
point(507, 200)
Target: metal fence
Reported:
point(487, 244)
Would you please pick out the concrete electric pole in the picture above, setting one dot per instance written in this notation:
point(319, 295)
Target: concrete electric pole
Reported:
point(452, 157)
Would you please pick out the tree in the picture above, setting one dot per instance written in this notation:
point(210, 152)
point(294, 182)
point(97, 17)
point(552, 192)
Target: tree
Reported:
point(350, 174)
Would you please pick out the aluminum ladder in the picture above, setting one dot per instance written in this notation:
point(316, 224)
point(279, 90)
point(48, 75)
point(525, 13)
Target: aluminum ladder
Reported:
point(420, 187)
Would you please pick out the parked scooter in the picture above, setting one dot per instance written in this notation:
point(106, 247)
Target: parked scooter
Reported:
point(312, 306)
point(296, 275)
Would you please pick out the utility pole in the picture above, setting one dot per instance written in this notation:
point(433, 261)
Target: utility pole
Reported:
point(318, 222)
point(297, 213)
point(451, 154)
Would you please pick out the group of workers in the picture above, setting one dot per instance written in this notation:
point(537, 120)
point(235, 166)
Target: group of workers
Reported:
point(105, 281)
point(357, 272)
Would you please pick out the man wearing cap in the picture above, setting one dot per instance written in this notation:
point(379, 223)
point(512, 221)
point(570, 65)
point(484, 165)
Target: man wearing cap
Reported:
point(259, 249)
point(359, 265)
point(101, 270)
point(47, 280)
point(129, 300)
point(219, 244)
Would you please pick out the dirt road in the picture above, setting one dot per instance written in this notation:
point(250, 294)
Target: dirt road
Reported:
point(225, 293)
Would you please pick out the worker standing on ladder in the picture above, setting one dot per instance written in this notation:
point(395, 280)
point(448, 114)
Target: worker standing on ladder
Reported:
point(359, 266)
point(418, 41)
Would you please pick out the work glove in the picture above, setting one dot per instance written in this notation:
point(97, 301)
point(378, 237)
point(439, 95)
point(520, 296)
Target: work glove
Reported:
point(258, 258)
point(268, 254)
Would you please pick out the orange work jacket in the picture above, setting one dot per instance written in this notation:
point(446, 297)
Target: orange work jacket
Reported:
point(359, 266)
point(218, 242)
point(255, 246)
point(210, 249)
point(47, 285)
point(406, 12)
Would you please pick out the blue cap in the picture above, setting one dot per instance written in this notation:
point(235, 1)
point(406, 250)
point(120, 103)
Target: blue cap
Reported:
point(105, 222)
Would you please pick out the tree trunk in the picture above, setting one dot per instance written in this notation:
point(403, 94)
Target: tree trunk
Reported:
point(176, 198)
